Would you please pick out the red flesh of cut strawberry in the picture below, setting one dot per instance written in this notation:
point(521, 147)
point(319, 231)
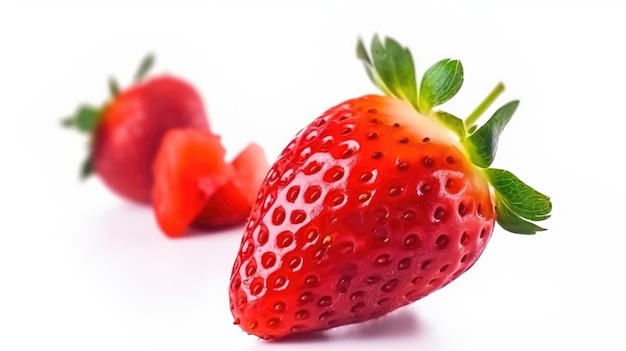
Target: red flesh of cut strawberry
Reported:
point(189, 169)
point(231, 204)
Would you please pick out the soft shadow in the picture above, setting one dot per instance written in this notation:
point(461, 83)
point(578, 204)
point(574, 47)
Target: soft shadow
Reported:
point(402, 323)
point(302, 338)
point(398, 324)
point(193, 232)
point(126, 244)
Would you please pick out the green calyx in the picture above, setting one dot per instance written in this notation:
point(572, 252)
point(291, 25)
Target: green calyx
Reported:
point(87, 118)
point(391, 68)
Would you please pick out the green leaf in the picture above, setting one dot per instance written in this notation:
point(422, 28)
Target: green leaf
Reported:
point(144, 67)
point(483, 144)
point(87, 168)
point(361, 53)
point(114, 87)
point(440, 83)
point(453, 123)
point(520, 198)
point(85, 119)
point(513, 223)
point(395, 67)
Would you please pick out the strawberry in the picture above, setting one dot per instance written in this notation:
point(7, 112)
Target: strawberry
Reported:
point(232, 203)
point(189, 168)
point(195, 186)
point(376, 203)
point(126, 132)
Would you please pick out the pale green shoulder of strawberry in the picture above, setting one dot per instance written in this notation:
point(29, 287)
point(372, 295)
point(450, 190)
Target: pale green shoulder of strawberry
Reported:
point(391, 68)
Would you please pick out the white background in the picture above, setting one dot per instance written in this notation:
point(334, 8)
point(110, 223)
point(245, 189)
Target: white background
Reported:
point(81, 269)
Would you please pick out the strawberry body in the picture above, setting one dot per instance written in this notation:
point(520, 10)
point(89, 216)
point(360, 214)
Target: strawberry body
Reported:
point(131, 128)
point(125, 132)
point(377, 203)
point(370, 207)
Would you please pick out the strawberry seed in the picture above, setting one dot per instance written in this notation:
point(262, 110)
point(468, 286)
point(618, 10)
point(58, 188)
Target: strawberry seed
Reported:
point(464, 238)
point(428, 162)
point(358, 307)
point(383, 301)
point(295, 263)
point(373, 279)
point(325, 301)
point(404, 263)
point(325, 316)
point(364, 197)
point(312, 194)
point(273, 323)
point(439, 213)
point(383, 260)
point(389, 286)
point(284, 239)
point(412, 242)
point(343, 284)
point(356, 295)
point(305, 297)
point(297, 216)
point(268, 259)
point(311, 281)
point(280, 307)
point(462, 209)
point(442, 241)
point(333, 174)
point(279, 216)
point(302, 314)
point(292, 193)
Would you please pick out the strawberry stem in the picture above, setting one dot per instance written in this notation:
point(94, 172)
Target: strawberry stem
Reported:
point(392, 70)
point(483, 106)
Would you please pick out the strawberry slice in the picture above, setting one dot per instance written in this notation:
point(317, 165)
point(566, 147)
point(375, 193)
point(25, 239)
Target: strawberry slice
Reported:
point(232, 203)
point(189, 168)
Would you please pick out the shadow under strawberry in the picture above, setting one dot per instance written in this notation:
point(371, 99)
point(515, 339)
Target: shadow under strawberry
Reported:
point(398, 324)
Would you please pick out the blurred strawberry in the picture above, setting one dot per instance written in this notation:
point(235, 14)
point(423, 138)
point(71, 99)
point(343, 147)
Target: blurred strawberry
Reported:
point(125, 133)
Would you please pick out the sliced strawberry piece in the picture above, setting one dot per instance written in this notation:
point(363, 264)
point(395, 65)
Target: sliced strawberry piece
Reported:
point(189, 168)
point(231, 204)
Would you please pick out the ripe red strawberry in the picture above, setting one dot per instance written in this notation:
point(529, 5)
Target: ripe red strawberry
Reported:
point(126, 132)
point(377, 203)
point(195, 186)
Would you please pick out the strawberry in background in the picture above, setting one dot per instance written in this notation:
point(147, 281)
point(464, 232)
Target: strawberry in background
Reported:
point(151, 144)
point(125, 132)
